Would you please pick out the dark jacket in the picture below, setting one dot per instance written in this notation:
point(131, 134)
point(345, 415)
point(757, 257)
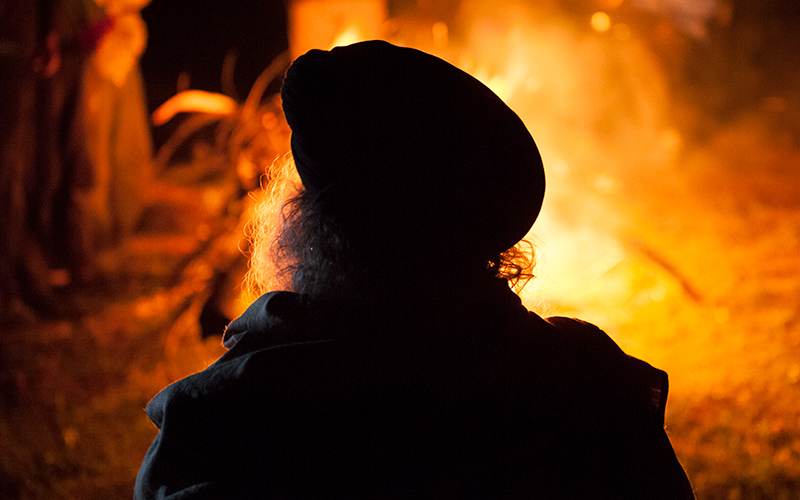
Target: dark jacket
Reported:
point(477, 398)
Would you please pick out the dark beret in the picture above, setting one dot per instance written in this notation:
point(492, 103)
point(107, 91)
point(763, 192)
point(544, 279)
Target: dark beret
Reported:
point(400, 145)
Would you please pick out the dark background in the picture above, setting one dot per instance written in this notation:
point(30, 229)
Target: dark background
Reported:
point(193, 37)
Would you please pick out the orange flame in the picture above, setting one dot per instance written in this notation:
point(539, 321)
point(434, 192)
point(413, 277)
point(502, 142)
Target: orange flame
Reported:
point(194, 101)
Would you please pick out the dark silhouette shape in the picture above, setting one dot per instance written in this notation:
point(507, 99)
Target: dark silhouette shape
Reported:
point(402, 365)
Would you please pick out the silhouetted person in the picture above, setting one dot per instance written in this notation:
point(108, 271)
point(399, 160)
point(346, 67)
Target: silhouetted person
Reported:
point(401, 365)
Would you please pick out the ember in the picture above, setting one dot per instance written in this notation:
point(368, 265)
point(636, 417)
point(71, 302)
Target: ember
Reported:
point(671, 139)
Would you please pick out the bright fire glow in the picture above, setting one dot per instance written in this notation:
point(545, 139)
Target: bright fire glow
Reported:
point(323, 24)
point(601, 21)
point(194, 101)
point(349, 35)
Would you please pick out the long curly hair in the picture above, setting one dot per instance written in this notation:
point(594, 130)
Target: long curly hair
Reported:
point(295, 246)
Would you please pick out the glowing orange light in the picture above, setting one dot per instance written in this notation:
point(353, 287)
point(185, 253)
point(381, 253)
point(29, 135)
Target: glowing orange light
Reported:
point(324, 24)
point(196, 101)
point(440, 35)
point(601, 22)
point(347, 36)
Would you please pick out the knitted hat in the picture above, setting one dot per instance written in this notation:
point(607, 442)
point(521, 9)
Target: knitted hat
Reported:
point(402, 146)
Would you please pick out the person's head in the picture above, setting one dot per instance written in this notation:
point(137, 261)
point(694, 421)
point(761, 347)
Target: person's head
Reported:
point(412, 171)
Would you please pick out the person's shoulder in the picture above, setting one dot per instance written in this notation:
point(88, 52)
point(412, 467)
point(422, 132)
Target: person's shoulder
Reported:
point(264, 343)
point(573, 339)
point(608, 368)
point(582, 335)
point(264, 318)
